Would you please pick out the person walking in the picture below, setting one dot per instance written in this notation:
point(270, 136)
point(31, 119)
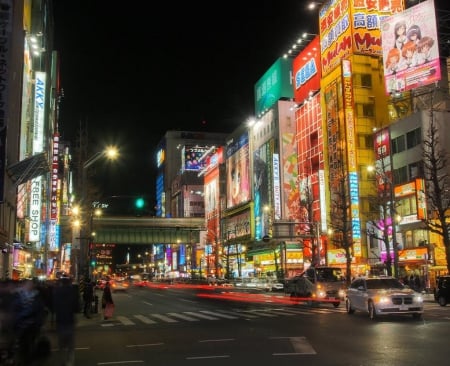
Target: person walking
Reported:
point(88, 297)
point(107, 302)
point(65, 305)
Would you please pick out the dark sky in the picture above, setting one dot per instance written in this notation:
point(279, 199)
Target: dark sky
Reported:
point(132, 70)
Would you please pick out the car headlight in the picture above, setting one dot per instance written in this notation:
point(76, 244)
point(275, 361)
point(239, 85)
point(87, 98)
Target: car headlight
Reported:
point(418, 298)
point(382, 299)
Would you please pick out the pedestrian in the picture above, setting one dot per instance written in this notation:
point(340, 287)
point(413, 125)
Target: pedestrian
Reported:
point(88, 297)
point(65, 305)
point(29, 317)
point(107, 302)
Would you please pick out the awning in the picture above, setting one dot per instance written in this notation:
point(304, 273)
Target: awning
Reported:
point(28, 168)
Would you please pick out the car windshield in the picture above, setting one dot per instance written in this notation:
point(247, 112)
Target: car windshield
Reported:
point(384, 283)
point(329, 274)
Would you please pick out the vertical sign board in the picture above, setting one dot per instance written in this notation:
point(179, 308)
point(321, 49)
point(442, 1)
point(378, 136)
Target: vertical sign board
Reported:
point(5, 40)
point(38, 140)
point(351, 155)
point(276, 186)
point(410, 48)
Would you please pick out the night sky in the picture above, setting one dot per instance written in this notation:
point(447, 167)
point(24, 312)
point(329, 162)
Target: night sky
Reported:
point(130, 72)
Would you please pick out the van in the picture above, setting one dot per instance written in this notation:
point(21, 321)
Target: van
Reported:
point(321, 284)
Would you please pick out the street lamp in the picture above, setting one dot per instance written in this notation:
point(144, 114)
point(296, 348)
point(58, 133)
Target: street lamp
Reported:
point(110, 153)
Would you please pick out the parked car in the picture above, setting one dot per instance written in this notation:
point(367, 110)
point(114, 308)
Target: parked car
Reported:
point(442, 290)
point(383, 296)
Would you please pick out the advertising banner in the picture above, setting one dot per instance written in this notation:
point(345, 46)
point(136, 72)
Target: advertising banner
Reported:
point(276, 83)
point(237, 166)
point(410, 48)
point(307, 71)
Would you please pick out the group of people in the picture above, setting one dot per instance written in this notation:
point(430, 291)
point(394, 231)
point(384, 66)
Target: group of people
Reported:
point(26, 305)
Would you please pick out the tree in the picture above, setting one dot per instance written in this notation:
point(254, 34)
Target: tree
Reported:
point(437, 180)
point(382, 225)
point(341, 221)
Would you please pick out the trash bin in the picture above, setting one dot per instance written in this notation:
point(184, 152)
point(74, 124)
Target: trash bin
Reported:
point(95, 305)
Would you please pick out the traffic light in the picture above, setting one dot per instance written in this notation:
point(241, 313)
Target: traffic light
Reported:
point(139, 203)
point(93, 262)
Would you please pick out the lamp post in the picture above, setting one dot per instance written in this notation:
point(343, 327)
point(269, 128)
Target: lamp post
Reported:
point(110, 153)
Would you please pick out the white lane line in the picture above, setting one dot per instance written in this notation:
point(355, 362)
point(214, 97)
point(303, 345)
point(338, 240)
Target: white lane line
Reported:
point(125, 321)
point(300, 344)
point(217, 340)
point(260, 313)
point(199, 315)
point(214, 313)
point(207, 357)
point(240, 314)
point(144, 345)
point(144, 319)
point(164, 318)
point(147, 303)
point(183, 317)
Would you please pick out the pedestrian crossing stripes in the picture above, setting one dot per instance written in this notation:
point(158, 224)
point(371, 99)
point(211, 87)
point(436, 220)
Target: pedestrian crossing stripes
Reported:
point(195, 316)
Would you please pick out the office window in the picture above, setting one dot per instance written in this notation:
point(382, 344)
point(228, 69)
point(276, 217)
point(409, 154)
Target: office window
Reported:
point(416, 170)
point(398, 144)
point(366, 141)
point(413, 138)
point(365, 110)
point(401, 175)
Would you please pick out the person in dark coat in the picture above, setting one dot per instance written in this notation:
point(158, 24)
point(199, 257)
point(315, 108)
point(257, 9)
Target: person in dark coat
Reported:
point(65, 305)
point(107, 300)
point(88, 297)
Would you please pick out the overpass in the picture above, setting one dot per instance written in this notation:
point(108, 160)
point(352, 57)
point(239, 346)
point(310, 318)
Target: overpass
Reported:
point(147, 230)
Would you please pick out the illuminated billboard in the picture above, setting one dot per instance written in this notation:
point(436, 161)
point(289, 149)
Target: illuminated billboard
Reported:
point(191, 157)
point(348, 27)
point(410, 48)
point(237, 166)
point(276, 83)
point(306, 69)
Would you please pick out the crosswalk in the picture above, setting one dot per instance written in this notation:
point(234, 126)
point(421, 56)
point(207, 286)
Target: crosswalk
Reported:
point(214, 315)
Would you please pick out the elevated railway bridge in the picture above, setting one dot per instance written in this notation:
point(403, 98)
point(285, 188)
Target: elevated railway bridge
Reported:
point(146, 230)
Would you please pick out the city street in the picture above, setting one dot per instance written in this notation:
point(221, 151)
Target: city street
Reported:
point(173, 326)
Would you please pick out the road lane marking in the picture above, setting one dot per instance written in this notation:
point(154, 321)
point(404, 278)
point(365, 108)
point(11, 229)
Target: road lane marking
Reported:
point(164, 318)
point(183, 316)
point(300, 344)
point(125, 321)
point(145, 345)
point(199, 315)
point(144, 319)
point(214, 313)
point(206, 357)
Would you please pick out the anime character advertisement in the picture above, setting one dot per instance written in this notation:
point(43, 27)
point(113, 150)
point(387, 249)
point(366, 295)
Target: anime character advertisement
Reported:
point(410, 48)
point(238, 182)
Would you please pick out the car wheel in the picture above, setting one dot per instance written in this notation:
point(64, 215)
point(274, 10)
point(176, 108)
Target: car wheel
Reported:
point(417, 316)
point(348, 307)
point(372, 312)
point(336, 304)
point(442, 301)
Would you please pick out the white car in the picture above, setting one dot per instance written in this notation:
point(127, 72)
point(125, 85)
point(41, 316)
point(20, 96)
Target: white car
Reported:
point(383, 296)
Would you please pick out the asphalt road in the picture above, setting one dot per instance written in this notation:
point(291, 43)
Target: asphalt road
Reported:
point(175, 326)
